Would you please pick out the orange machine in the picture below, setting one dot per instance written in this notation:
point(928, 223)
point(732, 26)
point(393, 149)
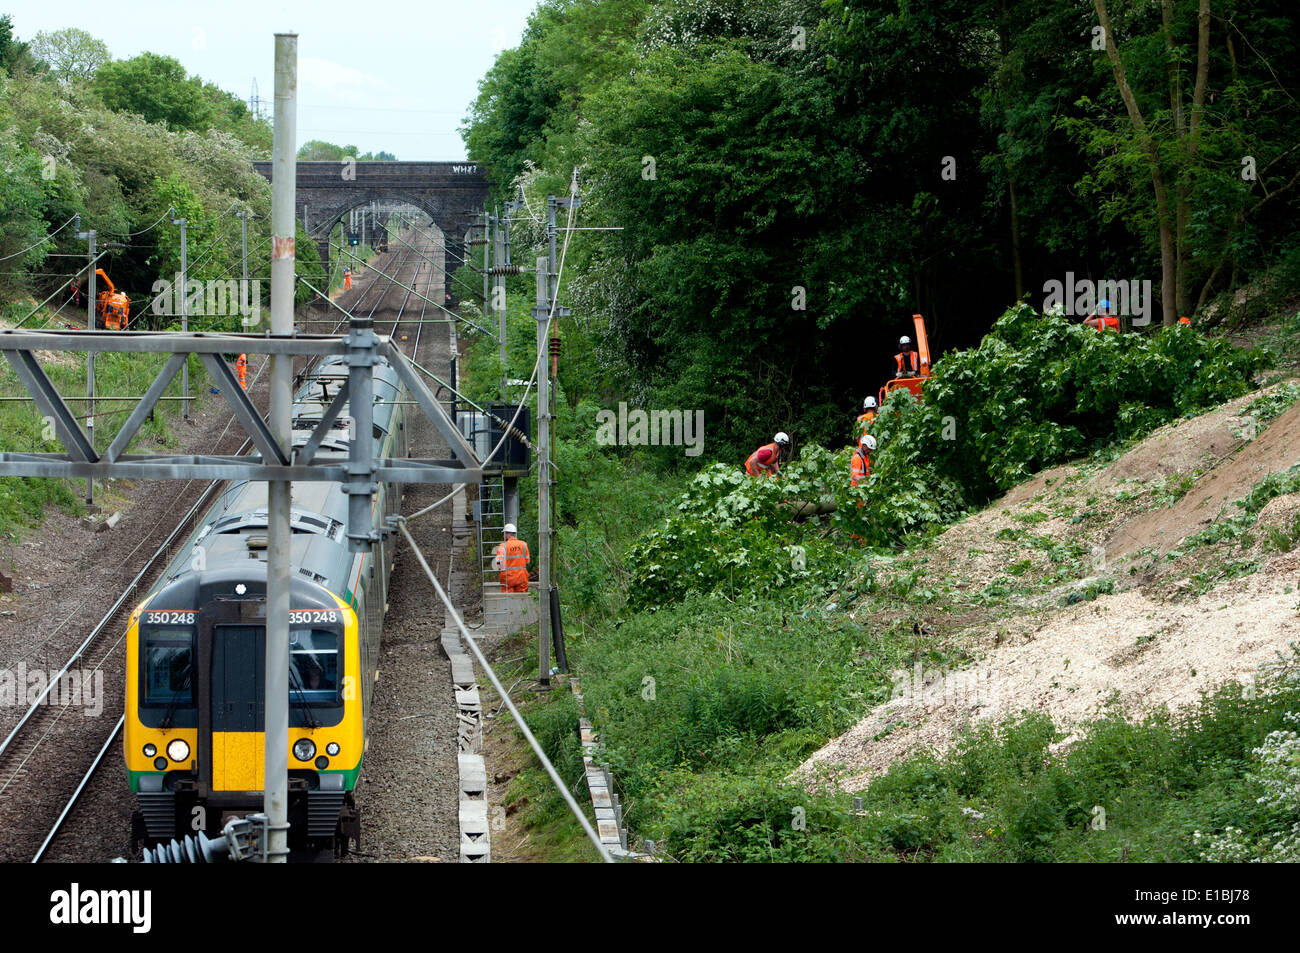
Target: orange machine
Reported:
point(112, 307)
point(923, 356)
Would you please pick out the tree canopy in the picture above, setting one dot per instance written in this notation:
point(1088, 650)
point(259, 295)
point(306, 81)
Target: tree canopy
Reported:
point(71, 54)
point(320, 151)
point(795, 179)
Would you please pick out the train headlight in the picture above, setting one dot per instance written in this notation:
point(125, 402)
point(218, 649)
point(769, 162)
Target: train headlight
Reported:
point(332, 748)
point(304, 749)
point(160, 763)
point(178, 750)
point(150, 750)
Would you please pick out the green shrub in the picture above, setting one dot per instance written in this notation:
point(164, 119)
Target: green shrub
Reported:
point(736, 534)
point(1037, 391)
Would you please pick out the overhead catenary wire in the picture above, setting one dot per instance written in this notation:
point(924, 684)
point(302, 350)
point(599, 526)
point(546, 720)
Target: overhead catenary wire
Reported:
point(434, 263)
point(514, 431)
point(42, 241)
point(458, 317)
point(541, 355)
point(464, 260)
point(549, 322)
point(143, 230)
point(505, 696)
point(550, 318)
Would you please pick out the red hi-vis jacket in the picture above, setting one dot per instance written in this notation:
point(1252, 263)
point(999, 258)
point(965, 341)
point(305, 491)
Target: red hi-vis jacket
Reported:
point(512, 559)
point(764, 461)
point(909, 357)
point(859, 467)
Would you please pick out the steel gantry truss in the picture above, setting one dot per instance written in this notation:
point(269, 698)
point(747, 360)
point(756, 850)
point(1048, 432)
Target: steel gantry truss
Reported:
point(359, 471)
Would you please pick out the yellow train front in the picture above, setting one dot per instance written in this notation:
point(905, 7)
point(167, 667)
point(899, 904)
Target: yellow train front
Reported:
point(195, 729)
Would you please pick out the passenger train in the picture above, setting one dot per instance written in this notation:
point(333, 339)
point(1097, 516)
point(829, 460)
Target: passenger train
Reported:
point(194, 732)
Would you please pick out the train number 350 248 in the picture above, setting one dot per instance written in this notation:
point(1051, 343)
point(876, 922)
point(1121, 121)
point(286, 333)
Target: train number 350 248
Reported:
point(173, 617)
point(308, 616)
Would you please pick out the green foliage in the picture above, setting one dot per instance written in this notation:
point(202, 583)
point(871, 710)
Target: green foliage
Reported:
point(319, 150)
point(14, 54)
point(1216, 782)
point(68, 154)
point(1037, 391)
point(707, 685)
point(72, 54)
point(736, 534)
point(1272, 405)
point(774, 167)
point(23, 197)
point(155, 87)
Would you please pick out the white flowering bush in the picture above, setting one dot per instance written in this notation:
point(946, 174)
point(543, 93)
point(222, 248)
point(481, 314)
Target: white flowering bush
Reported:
point(1279, 775)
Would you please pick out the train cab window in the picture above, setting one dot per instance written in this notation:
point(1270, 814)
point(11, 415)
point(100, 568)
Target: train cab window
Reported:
point(314, 664)
point(167, 654)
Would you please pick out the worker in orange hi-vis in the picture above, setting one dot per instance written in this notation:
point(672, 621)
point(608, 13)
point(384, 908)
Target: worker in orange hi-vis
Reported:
point(241, 368)
point(868, 415)
point(347, 279)
point(1184, 320)
point(511, 560)
point(766, 460)
point(1104, 319)
point(860, 464)
point(907, 360)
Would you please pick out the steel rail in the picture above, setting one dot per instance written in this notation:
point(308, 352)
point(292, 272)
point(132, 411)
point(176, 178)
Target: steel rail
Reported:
point(132, 587)
point(67, 808)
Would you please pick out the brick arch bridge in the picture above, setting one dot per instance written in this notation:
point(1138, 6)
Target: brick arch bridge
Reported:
point(453, 194)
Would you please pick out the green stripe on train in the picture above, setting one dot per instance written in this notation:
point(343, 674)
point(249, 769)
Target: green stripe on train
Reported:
point(349, 777)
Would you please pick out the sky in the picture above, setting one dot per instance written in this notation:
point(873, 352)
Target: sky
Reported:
point(400, 80)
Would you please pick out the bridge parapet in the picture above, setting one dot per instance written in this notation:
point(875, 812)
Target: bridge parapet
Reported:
point(452, 194)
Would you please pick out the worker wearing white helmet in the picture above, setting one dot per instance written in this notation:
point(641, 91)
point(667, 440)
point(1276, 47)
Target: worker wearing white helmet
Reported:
point(766, 460)
point(909, 363)
point(860, 464)
point(868, 415)
point(511, 560)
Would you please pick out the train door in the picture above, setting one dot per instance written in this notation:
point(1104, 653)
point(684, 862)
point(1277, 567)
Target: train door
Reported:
point(238, 703)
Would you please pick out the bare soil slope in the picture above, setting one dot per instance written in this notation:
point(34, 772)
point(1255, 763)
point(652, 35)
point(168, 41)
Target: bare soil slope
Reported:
point(1107, 601)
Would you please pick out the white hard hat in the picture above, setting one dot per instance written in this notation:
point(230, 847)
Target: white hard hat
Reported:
point(868, 441)
point(869, 403)
point(510, 528)
point(782, 437)
point(904, 340)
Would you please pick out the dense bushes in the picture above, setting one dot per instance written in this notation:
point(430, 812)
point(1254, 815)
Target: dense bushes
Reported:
point(735, 534)
point(66, 153)
point(1215, 783)
point(1037, 391)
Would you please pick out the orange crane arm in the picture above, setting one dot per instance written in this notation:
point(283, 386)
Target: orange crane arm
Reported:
point(111, 289)
point(922, 345)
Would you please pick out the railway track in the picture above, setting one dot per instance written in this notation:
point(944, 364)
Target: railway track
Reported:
point(30, 741)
